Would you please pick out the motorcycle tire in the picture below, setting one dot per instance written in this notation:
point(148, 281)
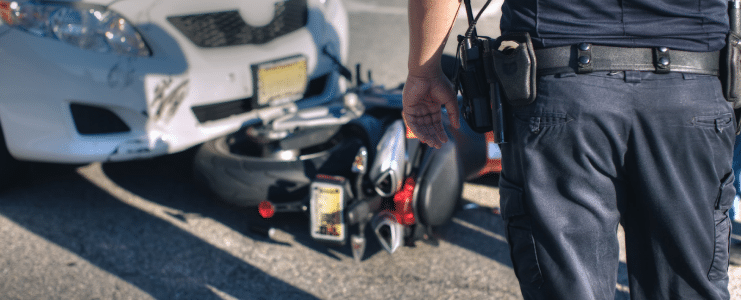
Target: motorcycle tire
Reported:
point(244, 180)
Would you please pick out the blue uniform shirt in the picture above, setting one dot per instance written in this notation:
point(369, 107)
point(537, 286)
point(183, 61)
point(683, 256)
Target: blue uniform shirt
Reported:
point(691, 25)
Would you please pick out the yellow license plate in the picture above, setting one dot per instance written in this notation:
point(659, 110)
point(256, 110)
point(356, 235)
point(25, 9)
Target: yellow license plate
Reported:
point(327, 219)
point(280, 82)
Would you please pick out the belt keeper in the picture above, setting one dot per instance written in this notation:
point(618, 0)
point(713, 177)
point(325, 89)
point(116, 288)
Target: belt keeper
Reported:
point(662, 60)
point(584, 58)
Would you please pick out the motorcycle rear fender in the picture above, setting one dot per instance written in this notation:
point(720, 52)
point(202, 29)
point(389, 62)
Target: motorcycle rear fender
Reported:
point(439, 185)
point(443, 172)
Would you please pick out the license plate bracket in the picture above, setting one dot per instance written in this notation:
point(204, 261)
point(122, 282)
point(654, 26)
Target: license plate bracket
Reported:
point(279, 81)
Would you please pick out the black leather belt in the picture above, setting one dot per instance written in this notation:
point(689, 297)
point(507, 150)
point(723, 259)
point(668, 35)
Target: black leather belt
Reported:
point(585, 58)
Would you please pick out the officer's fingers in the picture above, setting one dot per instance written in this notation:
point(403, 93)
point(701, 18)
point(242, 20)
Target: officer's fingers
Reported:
point(445, 94)
point(431, 138)
point(425, 120)
point(428, 135)
point(417, 126)
point(414, 120)
point(435, 130)
point(414, 128)
point(439, 131)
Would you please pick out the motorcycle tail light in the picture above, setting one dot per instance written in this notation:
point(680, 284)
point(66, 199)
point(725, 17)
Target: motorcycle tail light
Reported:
point(266, 209)
point(403, 210)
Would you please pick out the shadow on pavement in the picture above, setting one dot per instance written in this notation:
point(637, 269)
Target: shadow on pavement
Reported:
point(479, 230)
point(168, 181)
point(147, 251)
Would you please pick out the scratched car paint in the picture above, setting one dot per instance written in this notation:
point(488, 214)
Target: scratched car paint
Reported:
point(107, 80)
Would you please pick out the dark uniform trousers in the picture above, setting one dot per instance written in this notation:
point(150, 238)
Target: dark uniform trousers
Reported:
point(649, 151)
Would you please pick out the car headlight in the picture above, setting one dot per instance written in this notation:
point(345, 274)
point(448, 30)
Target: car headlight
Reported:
point(91, 27)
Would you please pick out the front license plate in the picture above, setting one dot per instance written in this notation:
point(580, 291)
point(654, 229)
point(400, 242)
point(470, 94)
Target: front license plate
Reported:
point(327, 206)
point(280, 81)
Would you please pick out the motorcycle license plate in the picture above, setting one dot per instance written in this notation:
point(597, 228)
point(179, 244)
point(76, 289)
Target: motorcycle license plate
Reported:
point(327, 211)
point(279, 82)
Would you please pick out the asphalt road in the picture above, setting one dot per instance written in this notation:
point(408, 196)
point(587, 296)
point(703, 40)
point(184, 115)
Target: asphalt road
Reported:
point(143, 230)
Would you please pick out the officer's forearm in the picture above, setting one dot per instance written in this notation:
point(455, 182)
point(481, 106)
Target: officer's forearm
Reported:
point(430, 22)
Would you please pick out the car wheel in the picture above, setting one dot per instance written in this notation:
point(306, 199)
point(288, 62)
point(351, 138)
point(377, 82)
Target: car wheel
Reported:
point(231, 169)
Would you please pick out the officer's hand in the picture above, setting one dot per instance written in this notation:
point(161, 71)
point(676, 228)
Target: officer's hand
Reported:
point(423, 98)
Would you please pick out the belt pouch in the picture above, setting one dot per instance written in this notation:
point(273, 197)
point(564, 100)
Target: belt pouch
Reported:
point(515, 65)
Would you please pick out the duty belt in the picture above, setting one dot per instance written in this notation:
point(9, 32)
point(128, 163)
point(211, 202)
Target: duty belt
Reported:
point(586, 58)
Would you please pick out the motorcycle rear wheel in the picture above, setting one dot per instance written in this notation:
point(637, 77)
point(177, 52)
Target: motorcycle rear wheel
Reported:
point(235, 176)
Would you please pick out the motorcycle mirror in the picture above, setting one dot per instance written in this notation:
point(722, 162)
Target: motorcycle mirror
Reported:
point(360, 163)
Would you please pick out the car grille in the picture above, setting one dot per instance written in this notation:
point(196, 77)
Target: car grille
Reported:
point(227, 28)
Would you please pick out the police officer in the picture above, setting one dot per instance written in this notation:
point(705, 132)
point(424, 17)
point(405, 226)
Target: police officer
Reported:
point(629, 126)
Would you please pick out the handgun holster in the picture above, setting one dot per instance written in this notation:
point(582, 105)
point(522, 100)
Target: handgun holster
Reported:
point(515, 65)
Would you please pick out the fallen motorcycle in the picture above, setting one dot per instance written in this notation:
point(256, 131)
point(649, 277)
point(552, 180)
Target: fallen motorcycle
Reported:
point(348, 165)
point(401, 192)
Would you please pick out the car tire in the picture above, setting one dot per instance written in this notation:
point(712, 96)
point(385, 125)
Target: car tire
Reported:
point(242, 179)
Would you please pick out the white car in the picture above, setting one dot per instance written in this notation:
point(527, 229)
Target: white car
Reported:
point(113, 80)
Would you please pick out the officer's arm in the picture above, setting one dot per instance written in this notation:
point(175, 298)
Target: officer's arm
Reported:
point(427, 88)
point(430, 22)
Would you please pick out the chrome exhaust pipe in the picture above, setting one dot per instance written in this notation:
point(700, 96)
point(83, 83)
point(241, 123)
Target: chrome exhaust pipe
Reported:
point(388, 231)
point(387, 171)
